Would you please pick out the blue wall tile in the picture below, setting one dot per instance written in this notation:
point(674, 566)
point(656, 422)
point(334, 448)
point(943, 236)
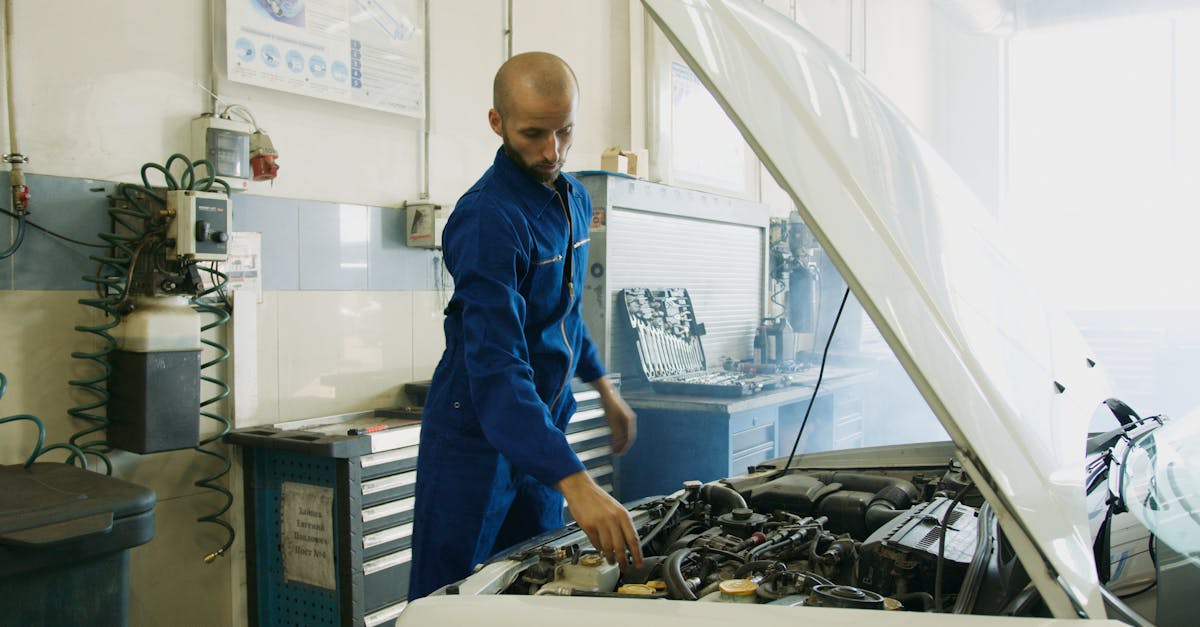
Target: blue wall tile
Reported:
point(306, 245)
point(279, 222)
point(76, 208)
point(395, 266)
point(333, 246)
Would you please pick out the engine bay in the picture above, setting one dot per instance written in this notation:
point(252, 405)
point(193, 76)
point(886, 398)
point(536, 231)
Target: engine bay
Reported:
point(832, 538)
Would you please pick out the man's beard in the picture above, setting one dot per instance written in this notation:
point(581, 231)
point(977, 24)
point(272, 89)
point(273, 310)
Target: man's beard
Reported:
point(531, 170)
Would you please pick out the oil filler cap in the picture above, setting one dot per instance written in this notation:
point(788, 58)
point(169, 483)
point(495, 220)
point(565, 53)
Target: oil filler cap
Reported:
point(635, 588)
point(738, 587)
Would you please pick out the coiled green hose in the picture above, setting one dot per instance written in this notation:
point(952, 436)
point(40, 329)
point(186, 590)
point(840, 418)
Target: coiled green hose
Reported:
point(140, 228)
point(210, 482)
point(38, 451)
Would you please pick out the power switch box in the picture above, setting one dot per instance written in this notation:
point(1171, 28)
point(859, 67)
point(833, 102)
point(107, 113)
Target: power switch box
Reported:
point(224, 143)
point(201, 225)
point(425, 224)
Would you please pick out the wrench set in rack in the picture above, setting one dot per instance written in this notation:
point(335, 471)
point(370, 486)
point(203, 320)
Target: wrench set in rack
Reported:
point(667, 336)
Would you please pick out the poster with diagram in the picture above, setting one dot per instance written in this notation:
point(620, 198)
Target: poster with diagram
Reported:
point(369, 53)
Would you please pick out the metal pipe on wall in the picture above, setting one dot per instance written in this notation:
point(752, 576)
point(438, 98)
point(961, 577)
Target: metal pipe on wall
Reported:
point(508, 29)
point(14, 148)
point(425, 124)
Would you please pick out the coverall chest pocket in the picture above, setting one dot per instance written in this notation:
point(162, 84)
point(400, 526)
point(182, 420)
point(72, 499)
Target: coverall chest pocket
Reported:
point(545, 286)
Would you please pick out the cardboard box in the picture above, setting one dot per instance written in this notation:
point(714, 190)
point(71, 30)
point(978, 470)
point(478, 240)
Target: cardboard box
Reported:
point(632, 163)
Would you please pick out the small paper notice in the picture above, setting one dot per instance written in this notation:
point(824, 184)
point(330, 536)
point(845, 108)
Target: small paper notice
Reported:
point(306, 534)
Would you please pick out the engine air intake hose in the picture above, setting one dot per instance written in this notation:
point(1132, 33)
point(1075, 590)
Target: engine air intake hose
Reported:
point(721, 498)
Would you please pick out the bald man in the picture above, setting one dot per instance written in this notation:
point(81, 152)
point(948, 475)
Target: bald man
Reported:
point(494, 464)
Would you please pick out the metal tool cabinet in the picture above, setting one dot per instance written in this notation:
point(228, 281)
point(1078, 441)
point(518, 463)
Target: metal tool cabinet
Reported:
point(369, 481)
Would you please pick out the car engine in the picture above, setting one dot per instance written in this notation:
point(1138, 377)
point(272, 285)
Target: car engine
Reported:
point(868, 540)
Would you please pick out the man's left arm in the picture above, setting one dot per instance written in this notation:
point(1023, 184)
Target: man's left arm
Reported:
point(621, 419)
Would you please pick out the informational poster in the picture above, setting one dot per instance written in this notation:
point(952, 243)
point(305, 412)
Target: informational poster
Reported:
point(306, 534)
point(369, 53)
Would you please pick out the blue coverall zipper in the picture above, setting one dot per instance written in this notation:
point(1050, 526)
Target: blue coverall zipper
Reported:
point(569, 271)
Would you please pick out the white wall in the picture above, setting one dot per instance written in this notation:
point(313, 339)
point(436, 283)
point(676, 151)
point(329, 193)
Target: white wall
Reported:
point(103, 87)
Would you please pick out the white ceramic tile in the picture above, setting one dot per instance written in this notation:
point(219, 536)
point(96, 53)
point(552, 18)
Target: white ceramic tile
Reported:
point(342, 351)
point(169, 582)
point(260, 404)
point(429, 338)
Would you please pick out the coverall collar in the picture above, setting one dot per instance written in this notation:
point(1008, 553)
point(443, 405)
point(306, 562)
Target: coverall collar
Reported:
point(538, 197)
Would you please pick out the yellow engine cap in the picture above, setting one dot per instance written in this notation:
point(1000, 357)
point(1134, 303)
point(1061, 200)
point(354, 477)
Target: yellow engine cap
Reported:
point(635, 588)
point(658, 584)
point(591, 560)
point(738, 587)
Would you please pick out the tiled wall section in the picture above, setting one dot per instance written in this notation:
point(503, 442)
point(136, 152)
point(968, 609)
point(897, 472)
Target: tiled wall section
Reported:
point(307, 245)
point(323, 353)
point(349, 314)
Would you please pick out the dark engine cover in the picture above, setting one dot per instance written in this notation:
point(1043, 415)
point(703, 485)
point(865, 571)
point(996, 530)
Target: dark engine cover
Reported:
point(907, 548)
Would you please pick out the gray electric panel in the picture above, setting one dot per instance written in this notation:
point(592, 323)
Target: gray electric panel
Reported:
point(650, 235)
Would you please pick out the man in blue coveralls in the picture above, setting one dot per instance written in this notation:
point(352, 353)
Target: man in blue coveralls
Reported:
point(494, 464)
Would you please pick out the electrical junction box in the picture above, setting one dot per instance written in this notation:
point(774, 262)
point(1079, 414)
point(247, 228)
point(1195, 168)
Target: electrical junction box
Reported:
point(425, 224)
point(201, 224)
point(226, 144)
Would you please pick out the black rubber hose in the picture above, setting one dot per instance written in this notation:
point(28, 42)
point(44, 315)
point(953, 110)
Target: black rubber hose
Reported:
point(646, 573)
point(880, 512)
point(716, 494)
point(924, 598)
point(662, 523)
point(893, 496)
point(760, 565)
point(676, 585)
point(864, 482)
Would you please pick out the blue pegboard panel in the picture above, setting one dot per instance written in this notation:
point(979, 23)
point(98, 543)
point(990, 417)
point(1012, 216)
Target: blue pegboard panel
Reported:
point(281, 602)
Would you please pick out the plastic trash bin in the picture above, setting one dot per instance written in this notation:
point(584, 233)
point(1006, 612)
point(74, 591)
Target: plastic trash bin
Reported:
point(65, 535)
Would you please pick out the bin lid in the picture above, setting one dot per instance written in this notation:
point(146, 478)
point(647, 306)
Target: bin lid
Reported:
point(50, 502)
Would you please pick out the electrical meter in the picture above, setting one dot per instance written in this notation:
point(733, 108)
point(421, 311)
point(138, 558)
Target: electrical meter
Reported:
point(201, 224)
point(226, 143)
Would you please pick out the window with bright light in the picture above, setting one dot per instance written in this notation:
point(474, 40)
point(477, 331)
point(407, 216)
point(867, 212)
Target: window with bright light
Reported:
point(1103, 177)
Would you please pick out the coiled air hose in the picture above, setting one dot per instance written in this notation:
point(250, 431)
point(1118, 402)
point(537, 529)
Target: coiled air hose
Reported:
point(210, 482)
point(140, 226)
point(38, 451)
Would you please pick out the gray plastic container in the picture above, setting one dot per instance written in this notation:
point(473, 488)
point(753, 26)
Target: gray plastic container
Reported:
point(65, 535)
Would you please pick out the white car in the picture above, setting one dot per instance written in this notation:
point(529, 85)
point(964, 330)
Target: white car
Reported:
point(1025, 500)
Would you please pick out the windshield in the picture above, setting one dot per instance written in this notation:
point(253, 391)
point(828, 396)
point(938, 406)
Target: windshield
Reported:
point(1160, 484)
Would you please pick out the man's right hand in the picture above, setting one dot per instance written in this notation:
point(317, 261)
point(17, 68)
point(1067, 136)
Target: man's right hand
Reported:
point(605, 521)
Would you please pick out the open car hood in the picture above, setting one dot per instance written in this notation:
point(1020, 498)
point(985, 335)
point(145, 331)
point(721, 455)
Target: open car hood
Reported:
point(1009, 377)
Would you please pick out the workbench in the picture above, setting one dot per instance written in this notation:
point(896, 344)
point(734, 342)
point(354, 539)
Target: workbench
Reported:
point(707, 438)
